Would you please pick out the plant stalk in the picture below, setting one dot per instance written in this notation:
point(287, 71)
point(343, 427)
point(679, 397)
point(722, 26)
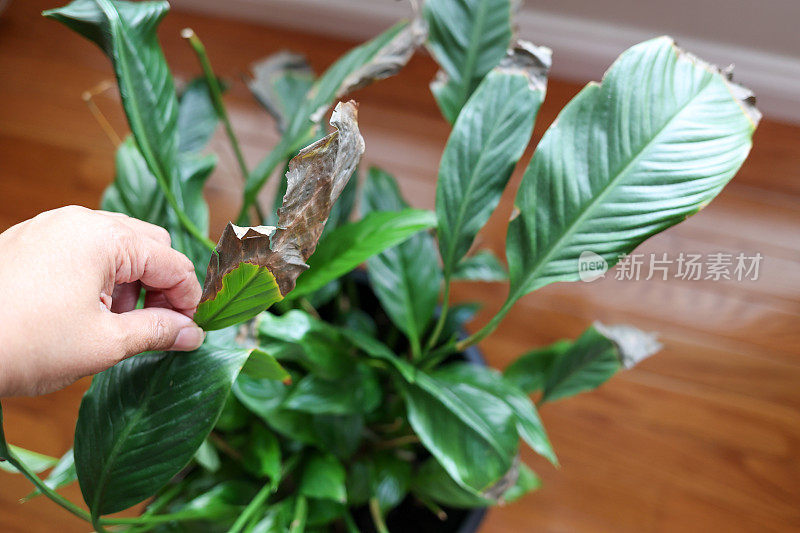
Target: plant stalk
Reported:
point(377, 516)
point(488, 328)
point(253, 507)
point(215, 91)
point(300, 514)
point(442, 315)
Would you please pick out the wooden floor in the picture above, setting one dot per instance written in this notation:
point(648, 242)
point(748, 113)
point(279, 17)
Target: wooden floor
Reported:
point(703, 437)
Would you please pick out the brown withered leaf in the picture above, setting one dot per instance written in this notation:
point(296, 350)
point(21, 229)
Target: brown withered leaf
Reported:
point(387, 62)
point(632, 344)
point(315, 179)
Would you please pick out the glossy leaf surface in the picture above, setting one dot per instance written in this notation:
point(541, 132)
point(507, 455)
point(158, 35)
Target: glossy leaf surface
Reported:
point(323, 477)
point(531, 369)
point(406, 278)
point(528, 423)
point(467, 38)
point(352, 244)
point(143, 419)
point(488, 138)
point(483, 266)
point(625, 159)
point(470, 432)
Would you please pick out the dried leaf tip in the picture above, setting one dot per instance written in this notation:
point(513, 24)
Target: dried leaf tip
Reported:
point(743, 95)
point(633, 344)
point(528, 59)
point(315, 179)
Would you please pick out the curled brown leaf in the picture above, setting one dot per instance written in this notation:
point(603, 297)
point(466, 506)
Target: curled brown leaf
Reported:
point(315, 179)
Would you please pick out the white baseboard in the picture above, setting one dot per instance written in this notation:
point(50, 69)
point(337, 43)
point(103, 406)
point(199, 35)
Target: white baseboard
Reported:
point(582, 48)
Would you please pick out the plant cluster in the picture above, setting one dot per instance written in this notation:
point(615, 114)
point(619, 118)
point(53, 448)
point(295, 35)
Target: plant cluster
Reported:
point(352, 394)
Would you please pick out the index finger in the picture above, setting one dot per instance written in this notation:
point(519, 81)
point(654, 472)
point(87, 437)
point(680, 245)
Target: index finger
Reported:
point(160, 267)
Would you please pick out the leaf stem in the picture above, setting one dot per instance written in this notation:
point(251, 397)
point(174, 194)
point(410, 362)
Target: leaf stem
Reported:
point(488, 328)
point(442, 315)
point(300, 513)
point(377, 516)
point(216, 99)
point(253, 507)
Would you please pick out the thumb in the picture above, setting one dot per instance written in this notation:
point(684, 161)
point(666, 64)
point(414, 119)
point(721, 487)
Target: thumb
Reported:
point(156, 329)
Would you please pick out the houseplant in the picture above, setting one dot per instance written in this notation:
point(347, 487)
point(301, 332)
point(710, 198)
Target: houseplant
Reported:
point(344, 399)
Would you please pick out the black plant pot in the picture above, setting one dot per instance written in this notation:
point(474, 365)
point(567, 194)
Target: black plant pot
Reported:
point(411, 516)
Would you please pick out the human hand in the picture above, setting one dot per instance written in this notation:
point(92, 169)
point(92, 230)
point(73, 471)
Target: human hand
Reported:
point(69, 281)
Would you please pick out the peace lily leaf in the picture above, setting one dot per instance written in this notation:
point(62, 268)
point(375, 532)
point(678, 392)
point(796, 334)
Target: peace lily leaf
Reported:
point(343, 207)
point(488, 138)
point(383, 476)
point(197, 118)
point(135, 190)
point(207, 456)
point(297, 336)
point(625, 159)
point(143, 419)
point(126, 32)
point(483, 266)
point(8, 456)
point(470, 432)
point(261, 365)
point(280, 83)
point(528, 423)
point(406, 278)
point(378, 350)
point(63, 474)
point(262, 455)
point(323, 477)
point(376, 59)
point(339, 434)
point(594, 357)
point(467, 38)
point(352, 244)
point(253, 268)
point(357, 392)
point(36, 462)
point(530, 370)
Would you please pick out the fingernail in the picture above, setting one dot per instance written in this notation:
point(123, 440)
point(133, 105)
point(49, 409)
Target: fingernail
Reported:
point(189, 338)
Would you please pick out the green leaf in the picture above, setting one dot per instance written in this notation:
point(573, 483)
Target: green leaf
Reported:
point(142, 420)
point(458, 317)
point(135, 190)
point(262, 454)
point(406, 278)
point(530, 370)
point(352, 244)
point(339, 434)
point(197, 118)
point(528, 423)
point(297, 336)
point(588, 363)
point(433, 483)
point(626, 159)
point(323, 477)
point(383, 476)
point(63, 474)
point(487, 140)
point(246, 291)
point(280, 83)
point(207, 456)
point(467, 38)
point(126, 32)
point(261, 365)
point(469, 431)
point(357, 392)
point(594, 357)
point(378, 350)
point(35, 461)
point(234, 415)
point(483, 266)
